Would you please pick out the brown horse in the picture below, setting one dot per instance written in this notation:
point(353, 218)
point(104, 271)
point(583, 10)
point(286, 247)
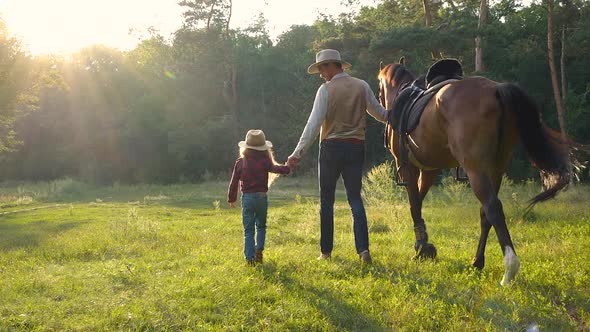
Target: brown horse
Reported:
point(474, 123)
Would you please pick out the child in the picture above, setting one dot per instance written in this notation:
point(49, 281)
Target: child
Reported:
point(252, 169)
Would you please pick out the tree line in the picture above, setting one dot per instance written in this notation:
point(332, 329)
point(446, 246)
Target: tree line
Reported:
point(173, 108)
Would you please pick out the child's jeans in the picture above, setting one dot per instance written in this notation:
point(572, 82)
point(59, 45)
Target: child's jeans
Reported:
point(254, 207)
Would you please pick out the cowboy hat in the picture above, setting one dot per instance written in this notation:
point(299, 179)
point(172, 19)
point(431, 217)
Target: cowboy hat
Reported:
point(255, 140)
point(326, 56)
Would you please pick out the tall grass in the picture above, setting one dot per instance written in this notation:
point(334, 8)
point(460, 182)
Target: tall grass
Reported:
point(379, 185)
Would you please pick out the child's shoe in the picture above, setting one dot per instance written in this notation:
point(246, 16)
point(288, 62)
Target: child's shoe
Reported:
point(258, 256)
point(250, 262)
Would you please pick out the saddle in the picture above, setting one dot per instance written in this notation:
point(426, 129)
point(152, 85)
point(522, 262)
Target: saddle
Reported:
point(411, 101)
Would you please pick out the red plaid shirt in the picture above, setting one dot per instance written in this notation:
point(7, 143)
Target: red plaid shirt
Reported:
point(252, 172)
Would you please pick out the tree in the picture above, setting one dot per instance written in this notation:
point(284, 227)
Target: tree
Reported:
point(427, 13)
point(562, 64)
point(218, 13)
point(172, 110)
point(483, 18)
point(212, 13)
point(553, 70)
point(18, 87)
point(567, 17)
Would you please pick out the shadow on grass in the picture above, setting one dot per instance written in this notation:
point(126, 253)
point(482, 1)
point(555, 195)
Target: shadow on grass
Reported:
point(197, 195)
point(200, 204)
point(22, 235)
point(332, 306)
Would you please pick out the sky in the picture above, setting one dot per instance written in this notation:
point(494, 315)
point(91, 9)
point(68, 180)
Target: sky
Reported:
point(65, 26)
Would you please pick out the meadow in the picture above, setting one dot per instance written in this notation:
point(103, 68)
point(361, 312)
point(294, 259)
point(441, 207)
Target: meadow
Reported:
point(169, 258)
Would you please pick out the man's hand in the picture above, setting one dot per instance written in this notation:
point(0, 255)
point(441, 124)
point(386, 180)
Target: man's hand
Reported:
point(232, 205)
point(292, 162)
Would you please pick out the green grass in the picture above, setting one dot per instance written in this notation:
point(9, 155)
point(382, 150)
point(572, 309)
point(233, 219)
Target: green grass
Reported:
point(170, 258)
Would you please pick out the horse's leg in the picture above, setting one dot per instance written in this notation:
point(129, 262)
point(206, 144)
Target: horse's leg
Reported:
point(501, 164)
point(484, 189)
point(479, 259)
point(417, 187)
point(424, 249)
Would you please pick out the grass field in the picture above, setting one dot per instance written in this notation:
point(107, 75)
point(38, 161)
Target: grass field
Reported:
point(170, 258)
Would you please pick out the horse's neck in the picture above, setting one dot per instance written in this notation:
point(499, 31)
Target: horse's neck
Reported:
point(392, 142)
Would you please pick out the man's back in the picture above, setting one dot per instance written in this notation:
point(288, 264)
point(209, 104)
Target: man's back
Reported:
point(346, 109)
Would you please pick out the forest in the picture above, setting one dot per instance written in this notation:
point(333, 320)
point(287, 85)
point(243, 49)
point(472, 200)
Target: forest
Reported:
point(172, 109)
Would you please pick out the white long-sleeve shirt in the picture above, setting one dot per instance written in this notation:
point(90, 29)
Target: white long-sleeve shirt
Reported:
point(320, 109)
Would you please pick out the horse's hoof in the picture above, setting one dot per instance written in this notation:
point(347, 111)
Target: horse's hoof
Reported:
point(512, 266)
point(427, 250)
point(478, 264)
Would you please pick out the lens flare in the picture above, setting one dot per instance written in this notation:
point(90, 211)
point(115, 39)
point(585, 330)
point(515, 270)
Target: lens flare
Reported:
point(169, 74)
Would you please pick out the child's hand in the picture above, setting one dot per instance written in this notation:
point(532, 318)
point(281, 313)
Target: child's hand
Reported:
point(232, 205)
point(292, 162)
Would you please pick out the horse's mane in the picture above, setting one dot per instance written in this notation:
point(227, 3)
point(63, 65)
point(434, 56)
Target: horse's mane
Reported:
point(395, 74)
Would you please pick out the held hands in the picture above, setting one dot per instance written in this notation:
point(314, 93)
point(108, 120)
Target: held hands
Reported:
point(292, 162)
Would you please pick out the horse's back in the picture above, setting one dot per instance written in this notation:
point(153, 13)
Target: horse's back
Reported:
point(466, 124)
point(470, 96)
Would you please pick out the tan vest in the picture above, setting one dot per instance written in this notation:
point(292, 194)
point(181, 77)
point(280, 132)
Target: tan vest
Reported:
point(347, 106)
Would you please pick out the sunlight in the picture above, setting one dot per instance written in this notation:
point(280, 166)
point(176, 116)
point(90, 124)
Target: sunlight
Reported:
point(65, 26)
point(281, 15)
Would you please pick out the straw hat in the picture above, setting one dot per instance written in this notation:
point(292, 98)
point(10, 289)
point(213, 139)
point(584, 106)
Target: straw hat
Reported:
point(255, 140)
point(325, 56)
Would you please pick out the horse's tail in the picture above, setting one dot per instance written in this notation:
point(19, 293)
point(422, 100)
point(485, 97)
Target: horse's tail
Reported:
point(547, 152)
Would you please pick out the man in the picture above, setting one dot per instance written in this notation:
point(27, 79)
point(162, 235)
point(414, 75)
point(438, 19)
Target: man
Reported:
point(338, 115)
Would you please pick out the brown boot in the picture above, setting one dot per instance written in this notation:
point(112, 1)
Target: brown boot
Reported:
point(258, 256)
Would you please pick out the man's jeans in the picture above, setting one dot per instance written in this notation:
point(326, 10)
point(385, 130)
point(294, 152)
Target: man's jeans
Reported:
point(346, 159)
point(254, 208)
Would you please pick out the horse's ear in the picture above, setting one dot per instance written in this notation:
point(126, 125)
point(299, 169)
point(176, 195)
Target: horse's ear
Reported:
point(380, 65)
point(402, 61)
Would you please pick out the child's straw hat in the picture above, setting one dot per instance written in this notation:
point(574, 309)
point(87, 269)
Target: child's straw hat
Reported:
point(255, 140)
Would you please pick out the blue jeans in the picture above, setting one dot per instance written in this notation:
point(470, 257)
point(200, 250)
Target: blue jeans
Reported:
point(342, 158)
point(254, 208)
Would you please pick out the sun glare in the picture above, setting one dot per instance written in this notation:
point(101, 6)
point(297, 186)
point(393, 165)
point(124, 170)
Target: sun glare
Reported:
point(65, 26)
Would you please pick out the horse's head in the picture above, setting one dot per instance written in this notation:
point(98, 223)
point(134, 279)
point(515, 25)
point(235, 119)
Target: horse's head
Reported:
point(392, 78)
